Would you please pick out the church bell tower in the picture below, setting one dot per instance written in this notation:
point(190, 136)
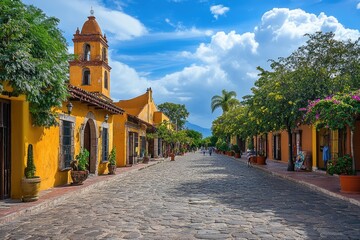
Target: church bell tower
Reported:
point(90, 69)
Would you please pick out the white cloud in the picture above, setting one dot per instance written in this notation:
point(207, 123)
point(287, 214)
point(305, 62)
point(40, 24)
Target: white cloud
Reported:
point(358, 6)
point(116, 24)
point(285, 24)
point(218, 10)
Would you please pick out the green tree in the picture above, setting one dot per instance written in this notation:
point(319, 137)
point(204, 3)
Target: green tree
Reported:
point(33, 59)
point(321, 67)
point(176, 112)
point(226, 101)
point(195, 137)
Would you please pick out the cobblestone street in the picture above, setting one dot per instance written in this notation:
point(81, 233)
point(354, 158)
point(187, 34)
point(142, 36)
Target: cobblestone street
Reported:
point(195, 197)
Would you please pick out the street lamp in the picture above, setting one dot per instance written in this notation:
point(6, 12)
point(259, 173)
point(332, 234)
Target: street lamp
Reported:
point(69, 107)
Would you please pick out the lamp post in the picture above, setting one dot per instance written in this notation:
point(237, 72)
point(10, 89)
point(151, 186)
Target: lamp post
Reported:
point(69, 107)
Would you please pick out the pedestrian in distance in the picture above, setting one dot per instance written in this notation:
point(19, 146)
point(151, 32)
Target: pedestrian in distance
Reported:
point(210, 151)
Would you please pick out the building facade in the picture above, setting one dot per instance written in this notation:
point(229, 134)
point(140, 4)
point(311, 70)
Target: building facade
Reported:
point(132, 129)
point(85, 121)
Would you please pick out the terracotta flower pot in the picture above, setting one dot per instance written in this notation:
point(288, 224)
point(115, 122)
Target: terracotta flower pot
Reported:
point(146, 159)
point(261, 160)
point(112, 169)
point(79, 176)
point(237, 155)
point(350, 183)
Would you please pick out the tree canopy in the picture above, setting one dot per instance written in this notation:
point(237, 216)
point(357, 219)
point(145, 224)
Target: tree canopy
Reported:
point(33, 59)
point(226, 101)
point(176, 112)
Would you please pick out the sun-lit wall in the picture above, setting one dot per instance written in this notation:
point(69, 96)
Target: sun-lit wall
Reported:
point(46, 145)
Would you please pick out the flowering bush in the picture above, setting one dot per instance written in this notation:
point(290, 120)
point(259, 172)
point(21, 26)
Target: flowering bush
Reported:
point(343, 165)
point(334, 112)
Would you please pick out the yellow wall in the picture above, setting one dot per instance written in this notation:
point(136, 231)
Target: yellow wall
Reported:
point(120, 137)
point(160, 117)
point(46, 145)
point(233, 140)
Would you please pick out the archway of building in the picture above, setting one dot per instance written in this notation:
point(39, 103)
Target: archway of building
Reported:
point(90, 143)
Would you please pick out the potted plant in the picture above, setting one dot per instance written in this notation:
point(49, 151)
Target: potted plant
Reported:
point(261, 158)
point(236, 150)
point(182, 150)
point(146, 157)
point(112, 162)
point(349, 182)
point(172, 155)
point(79, 172)
point(30, 184)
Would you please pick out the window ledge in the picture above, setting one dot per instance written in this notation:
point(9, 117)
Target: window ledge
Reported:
point(65, 169)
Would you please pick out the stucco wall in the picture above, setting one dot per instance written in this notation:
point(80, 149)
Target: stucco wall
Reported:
point(46, 145)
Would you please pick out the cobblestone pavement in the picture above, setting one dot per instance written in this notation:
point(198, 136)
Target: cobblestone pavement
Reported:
point(195, 197)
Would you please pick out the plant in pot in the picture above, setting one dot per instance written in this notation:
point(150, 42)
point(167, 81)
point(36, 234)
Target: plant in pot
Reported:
point(349, 182)
point(112, 162)
point(146, 157)
point(261, 158)
point(182, 150)
point(172, 154)
point(30, 184)
point(79, 172)
point(236, 150)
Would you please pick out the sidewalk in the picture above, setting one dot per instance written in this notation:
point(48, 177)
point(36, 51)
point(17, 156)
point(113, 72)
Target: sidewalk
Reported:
point(316, 180)
point(11, 209)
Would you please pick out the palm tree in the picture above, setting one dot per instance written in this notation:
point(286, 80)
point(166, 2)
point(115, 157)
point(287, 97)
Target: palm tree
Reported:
point(225, 102)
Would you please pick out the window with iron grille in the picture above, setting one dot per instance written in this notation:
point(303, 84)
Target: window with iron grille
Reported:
point(67, 143)
point(105, 145)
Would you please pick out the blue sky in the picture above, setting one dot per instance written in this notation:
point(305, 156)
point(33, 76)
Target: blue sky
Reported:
point(189, 50)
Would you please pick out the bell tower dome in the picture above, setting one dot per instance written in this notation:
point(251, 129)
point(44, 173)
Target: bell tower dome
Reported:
point(90, 69)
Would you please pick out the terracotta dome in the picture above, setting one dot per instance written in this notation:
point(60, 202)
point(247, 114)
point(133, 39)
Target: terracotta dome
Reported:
point(91, 27)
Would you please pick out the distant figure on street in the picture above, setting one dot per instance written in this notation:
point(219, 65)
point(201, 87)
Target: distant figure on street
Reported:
point(210, 151)
point(250, 155)
point(203, 150)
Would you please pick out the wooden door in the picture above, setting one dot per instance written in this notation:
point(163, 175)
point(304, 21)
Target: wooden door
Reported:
point(5, 158)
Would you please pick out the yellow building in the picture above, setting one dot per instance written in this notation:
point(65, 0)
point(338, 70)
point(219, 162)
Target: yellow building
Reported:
point(306, 138)
point(141, 117)
point(85, 121)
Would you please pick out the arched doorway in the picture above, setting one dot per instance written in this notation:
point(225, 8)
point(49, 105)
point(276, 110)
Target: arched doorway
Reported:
point(90, 144)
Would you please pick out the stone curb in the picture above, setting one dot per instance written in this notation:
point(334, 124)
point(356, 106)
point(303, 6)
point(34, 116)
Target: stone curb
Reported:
point(309, 185)
point(57, 200)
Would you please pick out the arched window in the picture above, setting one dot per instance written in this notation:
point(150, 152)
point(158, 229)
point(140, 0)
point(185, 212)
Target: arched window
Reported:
point(104, 57)
point(86, 77)
point(106, 84)
point(87, 50)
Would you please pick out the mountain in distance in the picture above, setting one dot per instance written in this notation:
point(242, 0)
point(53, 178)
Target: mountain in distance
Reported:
point(206, 132)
